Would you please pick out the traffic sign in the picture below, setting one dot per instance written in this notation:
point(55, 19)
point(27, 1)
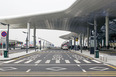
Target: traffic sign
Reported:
point(3, 34)
point(76, 39)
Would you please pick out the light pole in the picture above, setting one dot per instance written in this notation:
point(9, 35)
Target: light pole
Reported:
point(7, 37)
point(26, 41)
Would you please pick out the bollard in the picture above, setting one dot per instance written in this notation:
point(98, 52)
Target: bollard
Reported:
point(6, 54)
point(96, 53)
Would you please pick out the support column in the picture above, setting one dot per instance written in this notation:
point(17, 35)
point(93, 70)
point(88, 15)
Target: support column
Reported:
point(107, 31)
point(28, 34)
point(88, 37)
point(81, 42)
point(43, 44)
point(70, 44)
point(95, 37)
point(102, 42)
point(83, 39)
point(74, 43)
point(34, 38)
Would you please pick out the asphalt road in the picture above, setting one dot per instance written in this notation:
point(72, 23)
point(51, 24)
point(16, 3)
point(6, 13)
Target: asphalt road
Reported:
point(56, 63)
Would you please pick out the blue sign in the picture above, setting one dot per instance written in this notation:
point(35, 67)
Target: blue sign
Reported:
point(3, 34)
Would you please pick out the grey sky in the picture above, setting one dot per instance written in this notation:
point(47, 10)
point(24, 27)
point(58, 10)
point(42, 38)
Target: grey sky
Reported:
point(10, 8)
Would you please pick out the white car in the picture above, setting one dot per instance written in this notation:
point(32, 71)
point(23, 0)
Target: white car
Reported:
point(65, 47)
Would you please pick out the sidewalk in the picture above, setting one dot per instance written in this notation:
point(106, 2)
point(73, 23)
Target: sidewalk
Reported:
point(15, 55)
point(104, 57)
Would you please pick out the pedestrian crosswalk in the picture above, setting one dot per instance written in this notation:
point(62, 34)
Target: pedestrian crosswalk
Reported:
point(38, 61)
point(28, 61)
point(24, 61)
point(55, 51)
point(48, 61)
point(19, 61)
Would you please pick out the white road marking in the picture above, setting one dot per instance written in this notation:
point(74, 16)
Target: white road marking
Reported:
point(77, 61)
point(38, 61)
point(67, 61)
point(78, 65)
point(84, 70)
point(81, 68)
point(48, 61)
point(28, 70)
point(8, 61)
point(86, 61)
point(96, 61)
point(36, 64)
point(28, 61)
point(57, 61)
point(19, 61)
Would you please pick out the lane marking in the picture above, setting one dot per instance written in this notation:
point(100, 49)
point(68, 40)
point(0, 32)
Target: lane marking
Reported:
point(86, 61)
point(38, 61)
point(84, 70)
point(112, 66)
point(28, 61)
point(19, 61)
point(77, 61)
point(57, 61)
point(96, 61)
point(68, 55)
point(28, 70)
point(81, 68)
point(9, 61)
point(67, 61)
point(36, 64)
point(48, 61)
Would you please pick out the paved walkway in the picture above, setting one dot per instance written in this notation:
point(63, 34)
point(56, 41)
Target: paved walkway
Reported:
point(15, 55)
point(104, 57)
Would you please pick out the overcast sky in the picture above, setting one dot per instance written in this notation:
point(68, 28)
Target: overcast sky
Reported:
point(16, 8)
point(13, 8)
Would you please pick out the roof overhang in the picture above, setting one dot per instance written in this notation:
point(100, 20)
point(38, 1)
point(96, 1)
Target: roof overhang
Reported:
point(74, 19)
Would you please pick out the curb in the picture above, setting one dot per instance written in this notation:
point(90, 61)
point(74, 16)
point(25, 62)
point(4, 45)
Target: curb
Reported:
point(92, 58)
point(18, 56)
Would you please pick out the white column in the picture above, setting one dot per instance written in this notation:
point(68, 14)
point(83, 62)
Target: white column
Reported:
point(83, 39)
point(81, 42)
point(88, 36)
point(34, 38)
point(107, 30)
point(102, 42)
point(28, 35)
point(95, 32)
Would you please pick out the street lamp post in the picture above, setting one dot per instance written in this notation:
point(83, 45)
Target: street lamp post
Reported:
point(26, 42)
point(7, 37)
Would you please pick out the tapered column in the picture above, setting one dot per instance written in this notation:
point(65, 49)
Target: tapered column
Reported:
point(34, 38)
point(95, 37)
point(107, 31)
point(81, 42)
point(28, 34)
point(88, 36)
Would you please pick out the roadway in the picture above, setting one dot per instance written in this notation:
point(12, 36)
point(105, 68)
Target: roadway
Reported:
point(56, 63)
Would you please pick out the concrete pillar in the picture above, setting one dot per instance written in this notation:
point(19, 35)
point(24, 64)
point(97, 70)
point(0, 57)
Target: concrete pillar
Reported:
point(88, 34)
point(43, 44)
point(34, 38)
point(74, 43)
point(95, 36)
point(107, 31)
point(81, 42)
point(28, 34)
point(102, 42)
